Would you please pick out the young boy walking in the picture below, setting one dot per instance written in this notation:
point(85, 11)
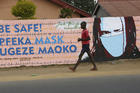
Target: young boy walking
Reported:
point(85, 38)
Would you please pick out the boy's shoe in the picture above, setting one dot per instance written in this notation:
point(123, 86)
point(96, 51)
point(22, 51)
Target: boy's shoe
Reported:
point(94, 69)
point(72, 69)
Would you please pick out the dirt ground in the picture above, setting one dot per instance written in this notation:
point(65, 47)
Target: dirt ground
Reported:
point(109, 68)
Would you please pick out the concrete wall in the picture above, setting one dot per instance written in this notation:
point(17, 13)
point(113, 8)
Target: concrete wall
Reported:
point(45, 9)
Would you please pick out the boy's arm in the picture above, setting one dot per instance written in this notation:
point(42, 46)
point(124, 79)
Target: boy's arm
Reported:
point(80, 39)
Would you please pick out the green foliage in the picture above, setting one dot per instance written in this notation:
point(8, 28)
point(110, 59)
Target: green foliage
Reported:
point(86, 5)
point(24, 9)
point(66, 12)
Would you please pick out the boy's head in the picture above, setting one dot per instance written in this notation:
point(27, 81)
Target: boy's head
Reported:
point(83, 25)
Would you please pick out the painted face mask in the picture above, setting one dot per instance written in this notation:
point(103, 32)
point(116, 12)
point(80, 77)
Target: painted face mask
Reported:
point(113, 35)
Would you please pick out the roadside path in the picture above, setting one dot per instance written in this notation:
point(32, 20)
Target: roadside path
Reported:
point(119, 67)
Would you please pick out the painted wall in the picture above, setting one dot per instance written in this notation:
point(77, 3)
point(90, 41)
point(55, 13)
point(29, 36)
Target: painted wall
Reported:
point(54, 41)
point(41, 42)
